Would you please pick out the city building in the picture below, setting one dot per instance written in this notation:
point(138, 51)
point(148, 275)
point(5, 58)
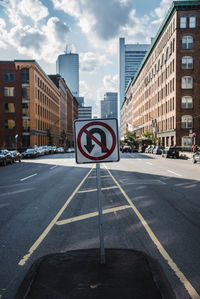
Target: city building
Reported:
point(85, 112)
point(163, 98)
point(67, 65)
point(67, 103)
point(30, 105)
point(80, 101)
point(130, 58)
point(109, 105)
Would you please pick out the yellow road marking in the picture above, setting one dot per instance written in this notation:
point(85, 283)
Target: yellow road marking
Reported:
point(191, 290)
point(51, 224)
point(90, 215)
point(102, 176)
point(93, 190)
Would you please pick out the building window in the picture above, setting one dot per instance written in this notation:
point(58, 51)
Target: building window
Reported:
point(25, 93)
point(187, 141)
point(187, 102)
point(187, 63)
point(187, 42)
point(25, 109)
point(25, 76)
point(186, 122)
point(183, 21)
point(187, 82)
point(9, 91)
point(9, 107)
point(192, 21)
point(8, 77)
point(26, 125)
point(9, 124)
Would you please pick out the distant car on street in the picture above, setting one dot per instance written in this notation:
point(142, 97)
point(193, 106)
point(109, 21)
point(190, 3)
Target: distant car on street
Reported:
point(60, 150)
point(158, 150)
point(5, 157)
point(30, 153)
point(16, 156)
point(196, 156)
point(126, 149)
point(70, 150)
point(171, 151)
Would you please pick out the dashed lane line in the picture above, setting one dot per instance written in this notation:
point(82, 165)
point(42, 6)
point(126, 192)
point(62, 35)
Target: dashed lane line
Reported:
point(53, 167)
point(28, 177)
point(149, 163)
point(52, 223)
point(174, 173)
point(91, 215)
point(188, 286)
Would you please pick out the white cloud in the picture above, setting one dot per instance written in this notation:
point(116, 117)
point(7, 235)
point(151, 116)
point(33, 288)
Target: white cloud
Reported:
point(17, 9)
point(3, 34)
point(161, 11)
point(90, 62)
point(110, 83)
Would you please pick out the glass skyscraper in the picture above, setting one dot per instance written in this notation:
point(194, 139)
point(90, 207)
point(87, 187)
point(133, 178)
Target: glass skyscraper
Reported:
point(109, 105)
point(130, 58)
point(67, 65)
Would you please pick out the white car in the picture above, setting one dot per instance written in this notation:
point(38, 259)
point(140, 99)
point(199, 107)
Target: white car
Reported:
point(60, 150)
point(70, 150)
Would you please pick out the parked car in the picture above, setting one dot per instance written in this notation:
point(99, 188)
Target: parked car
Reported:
point(41, 151)
point(134, 149)
point(147, 149)
point(158, 150)
point(46, 150)
point(152, 147)
point(126, 149)
point(30, 153)
point(16, 156)
point(50, 148)
point(5, 157)
point(54, 148)
point(70, 150)
point(171, 151)
point(196, 156)
point(60, 150)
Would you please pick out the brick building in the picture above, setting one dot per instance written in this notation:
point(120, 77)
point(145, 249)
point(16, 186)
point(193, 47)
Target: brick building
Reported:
point(29, 106)
point(164, 96)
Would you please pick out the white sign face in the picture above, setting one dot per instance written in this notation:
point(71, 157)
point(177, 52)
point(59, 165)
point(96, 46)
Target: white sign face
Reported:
point(96, 140)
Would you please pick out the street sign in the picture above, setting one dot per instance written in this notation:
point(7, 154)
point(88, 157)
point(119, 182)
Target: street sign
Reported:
point(96, 140)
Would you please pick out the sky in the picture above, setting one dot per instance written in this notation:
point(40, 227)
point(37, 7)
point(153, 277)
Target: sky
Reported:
point(44, 29)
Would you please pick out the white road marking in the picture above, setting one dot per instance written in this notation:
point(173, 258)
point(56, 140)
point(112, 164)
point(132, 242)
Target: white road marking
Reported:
point(149, 163)
point(93, 190)
point(91, 215)
point(28, 177)
point(53, 167)
point(102, 176)
point(174, 173)
point(52, 223)
point(188, 286)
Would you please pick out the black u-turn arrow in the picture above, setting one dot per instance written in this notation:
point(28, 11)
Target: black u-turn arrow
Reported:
point(89, 146)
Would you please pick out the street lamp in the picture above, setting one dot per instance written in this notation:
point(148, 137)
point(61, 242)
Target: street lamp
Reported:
point(16, 136)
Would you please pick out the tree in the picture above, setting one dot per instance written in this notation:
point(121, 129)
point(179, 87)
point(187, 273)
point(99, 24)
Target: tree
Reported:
point(49, 137)
point(63, 136)
point(130, 138)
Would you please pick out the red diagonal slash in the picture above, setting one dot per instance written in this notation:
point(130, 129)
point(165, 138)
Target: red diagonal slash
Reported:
point(96, 140)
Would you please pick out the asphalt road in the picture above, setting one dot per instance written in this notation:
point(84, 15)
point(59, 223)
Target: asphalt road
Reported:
point(149, 203)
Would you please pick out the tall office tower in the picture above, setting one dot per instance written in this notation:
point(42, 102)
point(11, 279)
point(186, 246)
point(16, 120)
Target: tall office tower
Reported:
point(130, 58)
point(85, 112)
point(80, 101)
point(67, 65)
point(109, 105)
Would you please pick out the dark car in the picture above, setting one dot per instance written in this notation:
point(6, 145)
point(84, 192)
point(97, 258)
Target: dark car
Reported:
point(16, 156)
point(5, 157)
point(171, 151)
point(30, 153)
point(158, 150)
point(196, 156)
point(126, 149)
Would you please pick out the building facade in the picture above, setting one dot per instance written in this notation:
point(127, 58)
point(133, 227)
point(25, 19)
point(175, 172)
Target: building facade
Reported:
point(164, 96)
point(85, 112)
point(30, 105)
point(66, 108)
point(67, 65)
point(130, 58)
point(109, 105)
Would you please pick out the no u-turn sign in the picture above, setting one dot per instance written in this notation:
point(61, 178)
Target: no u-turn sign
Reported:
point(96, 140)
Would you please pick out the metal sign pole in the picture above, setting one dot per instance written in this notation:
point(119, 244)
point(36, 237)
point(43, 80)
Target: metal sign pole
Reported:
point(102, 252)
